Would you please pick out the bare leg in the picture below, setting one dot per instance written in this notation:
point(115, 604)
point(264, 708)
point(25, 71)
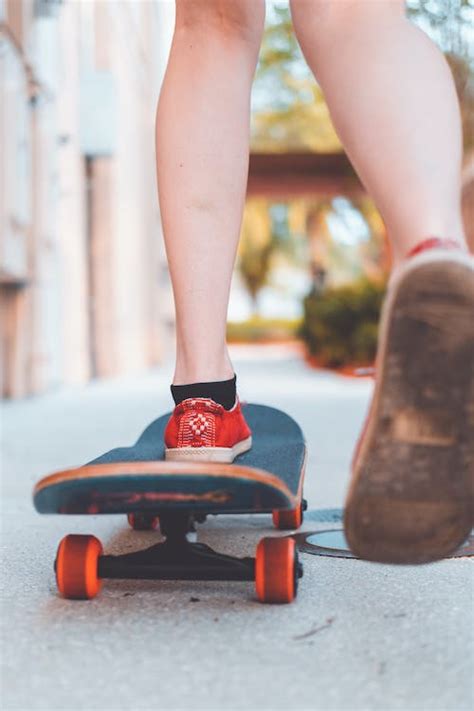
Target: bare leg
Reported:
point(202, 146)
point(394, 105)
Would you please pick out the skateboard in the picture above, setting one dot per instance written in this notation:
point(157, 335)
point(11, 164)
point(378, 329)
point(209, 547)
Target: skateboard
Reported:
point(175, 496)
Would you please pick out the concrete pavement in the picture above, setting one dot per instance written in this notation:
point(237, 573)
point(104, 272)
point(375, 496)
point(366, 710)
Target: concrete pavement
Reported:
point(359, 637)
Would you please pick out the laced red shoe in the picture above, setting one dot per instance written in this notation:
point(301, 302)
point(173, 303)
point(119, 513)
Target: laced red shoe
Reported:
point(202, 430)
point(411, 495)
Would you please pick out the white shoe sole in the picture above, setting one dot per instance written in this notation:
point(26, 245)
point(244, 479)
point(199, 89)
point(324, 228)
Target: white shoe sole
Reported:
point(224, 455)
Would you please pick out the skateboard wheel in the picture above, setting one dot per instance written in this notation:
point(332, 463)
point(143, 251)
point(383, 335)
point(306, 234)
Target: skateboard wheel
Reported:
point(276, 570)
point(288, 520)
point(77, 567)
point(142, 521)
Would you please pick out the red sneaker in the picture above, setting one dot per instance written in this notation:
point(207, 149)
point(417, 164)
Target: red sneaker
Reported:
point(411, 495)
point(202, 430)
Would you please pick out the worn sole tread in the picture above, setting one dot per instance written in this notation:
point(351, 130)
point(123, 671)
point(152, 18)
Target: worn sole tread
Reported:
point(411, 499)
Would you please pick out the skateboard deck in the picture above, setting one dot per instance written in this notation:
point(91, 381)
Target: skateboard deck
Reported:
point(138, 479)
point(139, 482)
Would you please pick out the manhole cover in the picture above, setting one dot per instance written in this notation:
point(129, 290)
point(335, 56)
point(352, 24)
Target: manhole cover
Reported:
point(330, 541)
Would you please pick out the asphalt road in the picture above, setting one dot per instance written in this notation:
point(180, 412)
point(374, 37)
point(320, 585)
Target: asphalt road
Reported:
point(359, 637)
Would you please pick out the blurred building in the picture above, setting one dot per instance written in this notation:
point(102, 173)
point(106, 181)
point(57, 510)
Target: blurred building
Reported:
point(83, 282)
point(84, 287)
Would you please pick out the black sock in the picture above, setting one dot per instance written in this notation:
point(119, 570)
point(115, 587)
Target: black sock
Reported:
point(221, 391)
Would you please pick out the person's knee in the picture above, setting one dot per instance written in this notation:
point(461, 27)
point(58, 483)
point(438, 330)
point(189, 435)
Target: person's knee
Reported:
point(321, 21)
point(234, 19)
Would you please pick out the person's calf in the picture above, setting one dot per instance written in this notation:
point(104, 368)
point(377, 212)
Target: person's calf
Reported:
point(322, 23)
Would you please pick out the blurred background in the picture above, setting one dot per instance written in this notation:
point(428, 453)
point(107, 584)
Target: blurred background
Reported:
point(84, 287)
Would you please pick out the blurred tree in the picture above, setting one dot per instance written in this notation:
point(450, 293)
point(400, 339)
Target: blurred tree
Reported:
point(374, 253)
point(289, 109)
point(256, 247)
point(266, 240)
point(290, 114)
point(449, 22)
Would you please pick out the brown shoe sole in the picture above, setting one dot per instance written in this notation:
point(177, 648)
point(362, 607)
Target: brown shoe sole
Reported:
point(411, 497)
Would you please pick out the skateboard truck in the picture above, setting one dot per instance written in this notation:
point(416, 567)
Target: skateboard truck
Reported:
point(80, 564)
point(177, 558)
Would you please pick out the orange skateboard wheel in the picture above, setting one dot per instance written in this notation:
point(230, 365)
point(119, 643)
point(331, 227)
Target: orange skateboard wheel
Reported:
point(77, 567)
point(288, 520)
point(276, 570)
point(142, 521)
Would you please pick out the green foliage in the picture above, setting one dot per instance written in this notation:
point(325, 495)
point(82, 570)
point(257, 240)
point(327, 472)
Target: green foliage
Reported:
point(289, 112)
point(254, 266)
point(256, 247)
point(280, 53)
point(340, 325)
point(446, 21)
point(265, 239)
point(257, 330)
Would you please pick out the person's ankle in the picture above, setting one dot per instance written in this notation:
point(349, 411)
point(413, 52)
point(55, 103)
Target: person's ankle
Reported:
point(223, 392)
point(452, 241)
point(204, 371)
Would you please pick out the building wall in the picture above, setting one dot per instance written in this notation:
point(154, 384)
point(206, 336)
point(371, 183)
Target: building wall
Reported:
point(84, 289)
